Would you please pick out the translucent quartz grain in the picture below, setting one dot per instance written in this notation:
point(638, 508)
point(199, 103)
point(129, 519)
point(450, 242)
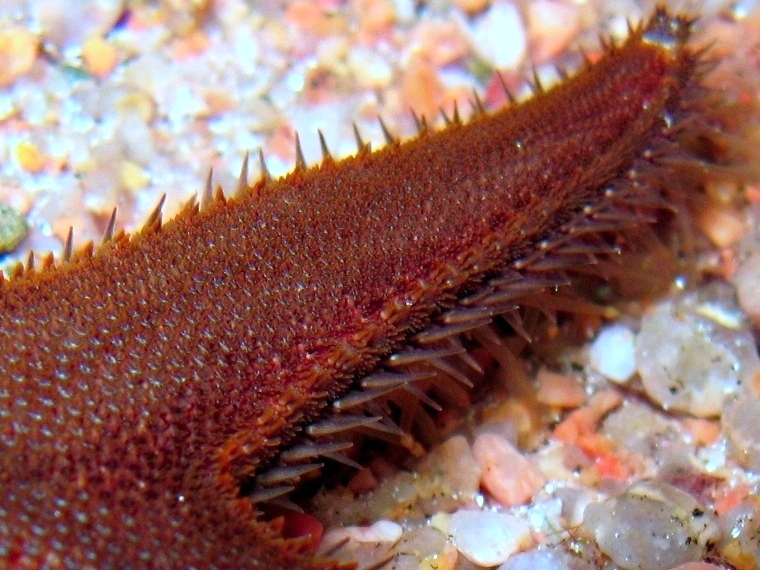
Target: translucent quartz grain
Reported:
point(742, 430)
point(696, 351)
point(652, 525)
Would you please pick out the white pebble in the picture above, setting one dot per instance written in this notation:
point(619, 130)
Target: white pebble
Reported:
point(488, 538)
point(452, 468)
point(381, 531)
point(405, 10)
point(543, 559)
point(613, 353)
point(67, 23)
point(498, 36)
point(370, 68)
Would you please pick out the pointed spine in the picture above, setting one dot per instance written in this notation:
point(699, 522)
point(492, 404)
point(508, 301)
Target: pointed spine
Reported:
point(326, 156)
point(456, 118)
point(108, 233)
point(208, 190)
point(153, 223)
point(507, 93)
point(242, 182)
point(538, 87)
point(300, 160)
point(266, 177)
point(389, 138)
point(361, 146)
point(477, 104)
point(68, 247)
point(420, 122)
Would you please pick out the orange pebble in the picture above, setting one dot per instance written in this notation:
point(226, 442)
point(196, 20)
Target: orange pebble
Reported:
point(705, 431)
point(29, 157)
point(611, 467)
point(471, 6)
point(724, 225)
point(440, 42)
point(595, 444)
point(18, 50)
point(194, 43)
point(99, 56)
point(218, 102)
point(729, 498)
point(375, 15)
point(506, 473)
point(559, 390)
point(421, 87)
point(304, 15)
point(582, 422)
